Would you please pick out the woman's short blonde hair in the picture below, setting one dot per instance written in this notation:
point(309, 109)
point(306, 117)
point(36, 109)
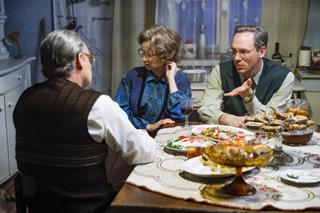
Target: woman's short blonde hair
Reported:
point(164, 42)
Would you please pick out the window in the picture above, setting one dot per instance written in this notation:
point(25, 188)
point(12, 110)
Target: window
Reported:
point(1, 7)
point(217, 18)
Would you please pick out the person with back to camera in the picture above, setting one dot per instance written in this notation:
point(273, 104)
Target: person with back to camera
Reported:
point(150, 95)
point(249, 83)
point(62, 129)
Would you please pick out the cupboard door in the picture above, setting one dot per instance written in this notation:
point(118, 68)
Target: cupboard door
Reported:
point(11, 100)
point(4, 165)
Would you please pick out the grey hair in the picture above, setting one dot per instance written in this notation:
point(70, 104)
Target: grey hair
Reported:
point(164, 42)
point(260, 34)
point(59, 51)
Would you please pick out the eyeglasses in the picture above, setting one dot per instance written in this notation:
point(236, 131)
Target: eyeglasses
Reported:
point(146, 54)
point(242, 52)
point(91, 57)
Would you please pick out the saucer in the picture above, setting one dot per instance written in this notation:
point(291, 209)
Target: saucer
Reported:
point(303, 176)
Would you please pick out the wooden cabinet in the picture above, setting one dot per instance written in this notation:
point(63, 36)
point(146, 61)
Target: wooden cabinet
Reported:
point(14, 79)
point(4, 166)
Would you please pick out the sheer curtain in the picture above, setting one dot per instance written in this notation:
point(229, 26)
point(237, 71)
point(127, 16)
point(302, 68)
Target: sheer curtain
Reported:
point(130, 18)
point(286, 22)
point(218, 17)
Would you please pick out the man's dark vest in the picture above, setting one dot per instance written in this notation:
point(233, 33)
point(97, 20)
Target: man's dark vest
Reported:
point(54, 149)
point(271, 79)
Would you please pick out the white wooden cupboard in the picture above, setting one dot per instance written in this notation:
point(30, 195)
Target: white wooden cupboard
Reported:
point(14, 79)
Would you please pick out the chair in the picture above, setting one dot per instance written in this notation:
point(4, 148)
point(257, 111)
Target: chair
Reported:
point(20, 201)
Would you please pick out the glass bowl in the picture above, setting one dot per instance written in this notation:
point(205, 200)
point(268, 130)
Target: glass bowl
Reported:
point(298, 107)
point(298, 137)
point(237, 154)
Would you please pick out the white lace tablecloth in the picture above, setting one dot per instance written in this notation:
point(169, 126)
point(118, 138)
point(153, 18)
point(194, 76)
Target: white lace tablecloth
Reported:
point(165, 176)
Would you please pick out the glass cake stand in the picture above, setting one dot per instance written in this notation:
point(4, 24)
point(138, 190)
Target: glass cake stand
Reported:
point(238, 187)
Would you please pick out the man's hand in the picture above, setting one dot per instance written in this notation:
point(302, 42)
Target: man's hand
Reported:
point(155, 126)
point(244, 90)
point(232, 120)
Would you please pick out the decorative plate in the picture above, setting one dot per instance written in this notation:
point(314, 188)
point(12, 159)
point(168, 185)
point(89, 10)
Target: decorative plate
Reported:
point(222, 132)
point(301, 176)
point(204, 168)
point(181, 143)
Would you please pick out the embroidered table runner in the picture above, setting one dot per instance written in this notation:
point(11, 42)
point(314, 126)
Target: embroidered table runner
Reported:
point(165, 176)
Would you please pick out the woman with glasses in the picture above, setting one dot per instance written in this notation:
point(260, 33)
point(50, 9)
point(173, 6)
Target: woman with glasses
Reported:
point(150, 94)
point(249, 83)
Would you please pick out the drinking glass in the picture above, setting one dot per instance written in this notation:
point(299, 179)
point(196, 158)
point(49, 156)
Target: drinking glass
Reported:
point(297, 107)
point(186, 105)
point(280, 157)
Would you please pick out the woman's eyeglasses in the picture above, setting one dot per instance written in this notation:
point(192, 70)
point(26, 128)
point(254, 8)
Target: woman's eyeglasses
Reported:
point(91, 57)
point(142, 53)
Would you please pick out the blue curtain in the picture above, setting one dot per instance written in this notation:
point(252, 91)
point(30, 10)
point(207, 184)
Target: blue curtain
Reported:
point(243, 12)
point(191, 14)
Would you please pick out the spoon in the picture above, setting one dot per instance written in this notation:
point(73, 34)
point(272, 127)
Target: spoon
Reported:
point(295, 176)
point(291, 175)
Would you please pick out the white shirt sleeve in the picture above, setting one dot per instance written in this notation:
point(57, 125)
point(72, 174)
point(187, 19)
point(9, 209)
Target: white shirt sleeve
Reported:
point(107, 119)
point(212, 99)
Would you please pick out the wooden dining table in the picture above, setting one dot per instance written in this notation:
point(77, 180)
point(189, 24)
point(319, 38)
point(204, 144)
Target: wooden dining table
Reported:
point(132, 198)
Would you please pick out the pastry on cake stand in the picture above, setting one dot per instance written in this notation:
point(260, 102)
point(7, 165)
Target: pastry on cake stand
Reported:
point(238, 155)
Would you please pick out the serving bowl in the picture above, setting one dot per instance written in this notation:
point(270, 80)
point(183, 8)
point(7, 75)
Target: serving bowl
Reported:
point(297, 138)
point(196, 75)
point(298, 106)
point(238, 154)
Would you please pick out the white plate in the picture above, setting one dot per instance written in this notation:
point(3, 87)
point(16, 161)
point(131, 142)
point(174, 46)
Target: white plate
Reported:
point(248, 134)
point(305, 176)
point(181, 143)
point(195, 167)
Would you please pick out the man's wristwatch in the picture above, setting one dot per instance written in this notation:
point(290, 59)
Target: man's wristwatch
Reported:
point(248, 99)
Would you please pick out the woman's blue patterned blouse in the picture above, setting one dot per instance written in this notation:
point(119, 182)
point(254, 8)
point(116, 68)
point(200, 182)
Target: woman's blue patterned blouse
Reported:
point(146, 99)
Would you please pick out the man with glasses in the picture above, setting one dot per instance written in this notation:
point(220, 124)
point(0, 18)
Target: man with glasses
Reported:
point(150, 94)
point(247, 84)
point(63, 130)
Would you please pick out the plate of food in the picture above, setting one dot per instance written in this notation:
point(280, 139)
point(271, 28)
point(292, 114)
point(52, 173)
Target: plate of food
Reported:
point(238, 152)
point(222, 132)
point(181, 143)
point(201, 167)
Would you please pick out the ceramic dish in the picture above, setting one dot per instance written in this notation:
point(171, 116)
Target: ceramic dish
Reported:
point(195, 166)
point(297, 138)
point(301, 176)
point(181, 143)
point(222, 132)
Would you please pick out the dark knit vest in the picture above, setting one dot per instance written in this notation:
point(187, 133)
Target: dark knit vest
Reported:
point(271, 79)
point(54, 148)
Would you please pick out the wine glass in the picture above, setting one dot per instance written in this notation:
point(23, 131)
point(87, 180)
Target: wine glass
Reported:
point(280, 157)
point(296, 107)
point(186, 105)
